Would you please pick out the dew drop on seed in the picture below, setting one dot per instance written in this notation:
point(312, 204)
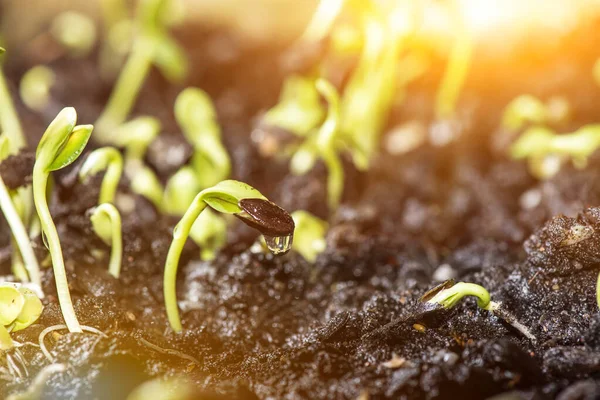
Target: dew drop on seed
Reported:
point(279, 245)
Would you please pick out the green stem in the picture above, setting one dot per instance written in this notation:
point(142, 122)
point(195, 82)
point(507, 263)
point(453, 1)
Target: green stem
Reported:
point(335, 180)
point(180, 235)
point(114, 266)
point(458, 66)
point(17, 266)
point(9, 121)
point(6, 342)
point(40, 180)
point(126, 89)
point(110, 182)
point(20, 234)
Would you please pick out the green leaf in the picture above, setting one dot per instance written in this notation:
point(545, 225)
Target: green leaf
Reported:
point(180, 191)
point(11, 303)
point(72, 148)
point(57, 134)
point(194, 110)
point(170, 58)
point(31, 311)
point(225, 195)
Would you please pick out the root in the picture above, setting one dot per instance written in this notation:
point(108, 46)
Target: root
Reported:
point(34, 390)
point(171, 352)
point(58, 328)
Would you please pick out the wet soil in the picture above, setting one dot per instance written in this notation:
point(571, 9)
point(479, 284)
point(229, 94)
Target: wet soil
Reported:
point(350, 325)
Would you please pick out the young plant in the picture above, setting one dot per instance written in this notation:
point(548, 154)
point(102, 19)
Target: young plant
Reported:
point(11, 206)
point(228, 197)
point(197, 117)
point(458, 65)
point(449, 294)
point(299, 109)
point(75, 31)
point(106, 222)
point(209, 232)
point(35, 87)
point(180, 191)
point(60, 145)
point(152, 45)
point(19, 308)
point(326, 145)
point(104, 158)
point(309, 235)
point(545, 150)
point(527, 109)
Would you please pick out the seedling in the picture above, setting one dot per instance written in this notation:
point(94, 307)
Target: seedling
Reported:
point(35, 87)
point(180, 191)
point(458, 65)
point(136, 135)
point(152, 45)
point(106, 221)
point(540, 146)
point(228, 197)
point(448, 294)
point(326, 145)
point(60, 145)
point(19, 308)
point(527, 109)
point(299, 109)
point(105, 158)
point(197, 117)
point(145, 182)
point(9, 203)
point(75, 31)
point(209, 232)
point(309, 235)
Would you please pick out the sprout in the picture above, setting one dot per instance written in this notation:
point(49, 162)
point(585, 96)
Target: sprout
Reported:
point(541, 145)
point(309, 235)
point(60, 145)
point(527, 109)
point(136, 135)
point(299, 109)
point(196, 115)
point(448, 297)
point(19, 308)
point(209, 232)
point(35, 87)
point(228, 197)
point(10, 203)
point(75, 31)
point(152, 45)
point(458, 65)
point(326, 145)
point(145, 182)
point(105, 158)
point(106, 221)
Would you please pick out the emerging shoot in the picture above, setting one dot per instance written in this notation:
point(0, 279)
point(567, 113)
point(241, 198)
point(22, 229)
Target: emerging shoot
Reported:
point(60, 146)
point(152, 45)
point(180, 191)
point(228, 197)
point(309, 235)
point(19, 308)
point(105, 158)
point(106, 221)
point(35, 87)
point(197, 117)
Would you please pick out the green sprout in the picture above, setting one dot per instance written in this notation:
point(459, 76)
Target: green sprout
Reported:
point(458, 65)
point(527, 109)
point(106, 222)
point(299, 109)
point(19, 308)
point(448, 294)
point(35, 87)
point(136, 135)
point(544, 149)
point(228, 197)
point(145, 182)
point(197, 117)
point(309, 235)
point(152, 45)
point(105, 158)
point(26, 266)
point(60, 146)
point(180, 191)
point(209, 232)
point(326, 146)
point(75, 31)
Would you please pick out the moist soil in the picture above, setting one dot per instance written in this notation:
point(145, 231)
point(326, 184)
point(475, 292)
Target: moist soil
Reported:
point(349, 326)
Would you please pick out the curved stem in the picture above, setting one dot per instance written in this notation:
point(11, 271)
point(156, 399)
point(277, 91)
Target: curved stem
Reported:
point(40, 180)
point(335, 180)
point(180, 235)
point(20, 234)
point(110, 182)
point(116, 253)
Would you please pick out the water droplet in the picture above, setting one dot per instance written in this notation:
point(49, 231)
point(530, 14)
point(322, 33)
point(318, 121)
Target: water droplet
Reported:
point(279, 245)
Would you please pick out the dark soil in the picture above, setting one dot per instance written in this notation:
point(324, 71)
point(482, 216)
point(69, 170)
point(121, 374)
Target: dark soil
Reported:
point(264, 327)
